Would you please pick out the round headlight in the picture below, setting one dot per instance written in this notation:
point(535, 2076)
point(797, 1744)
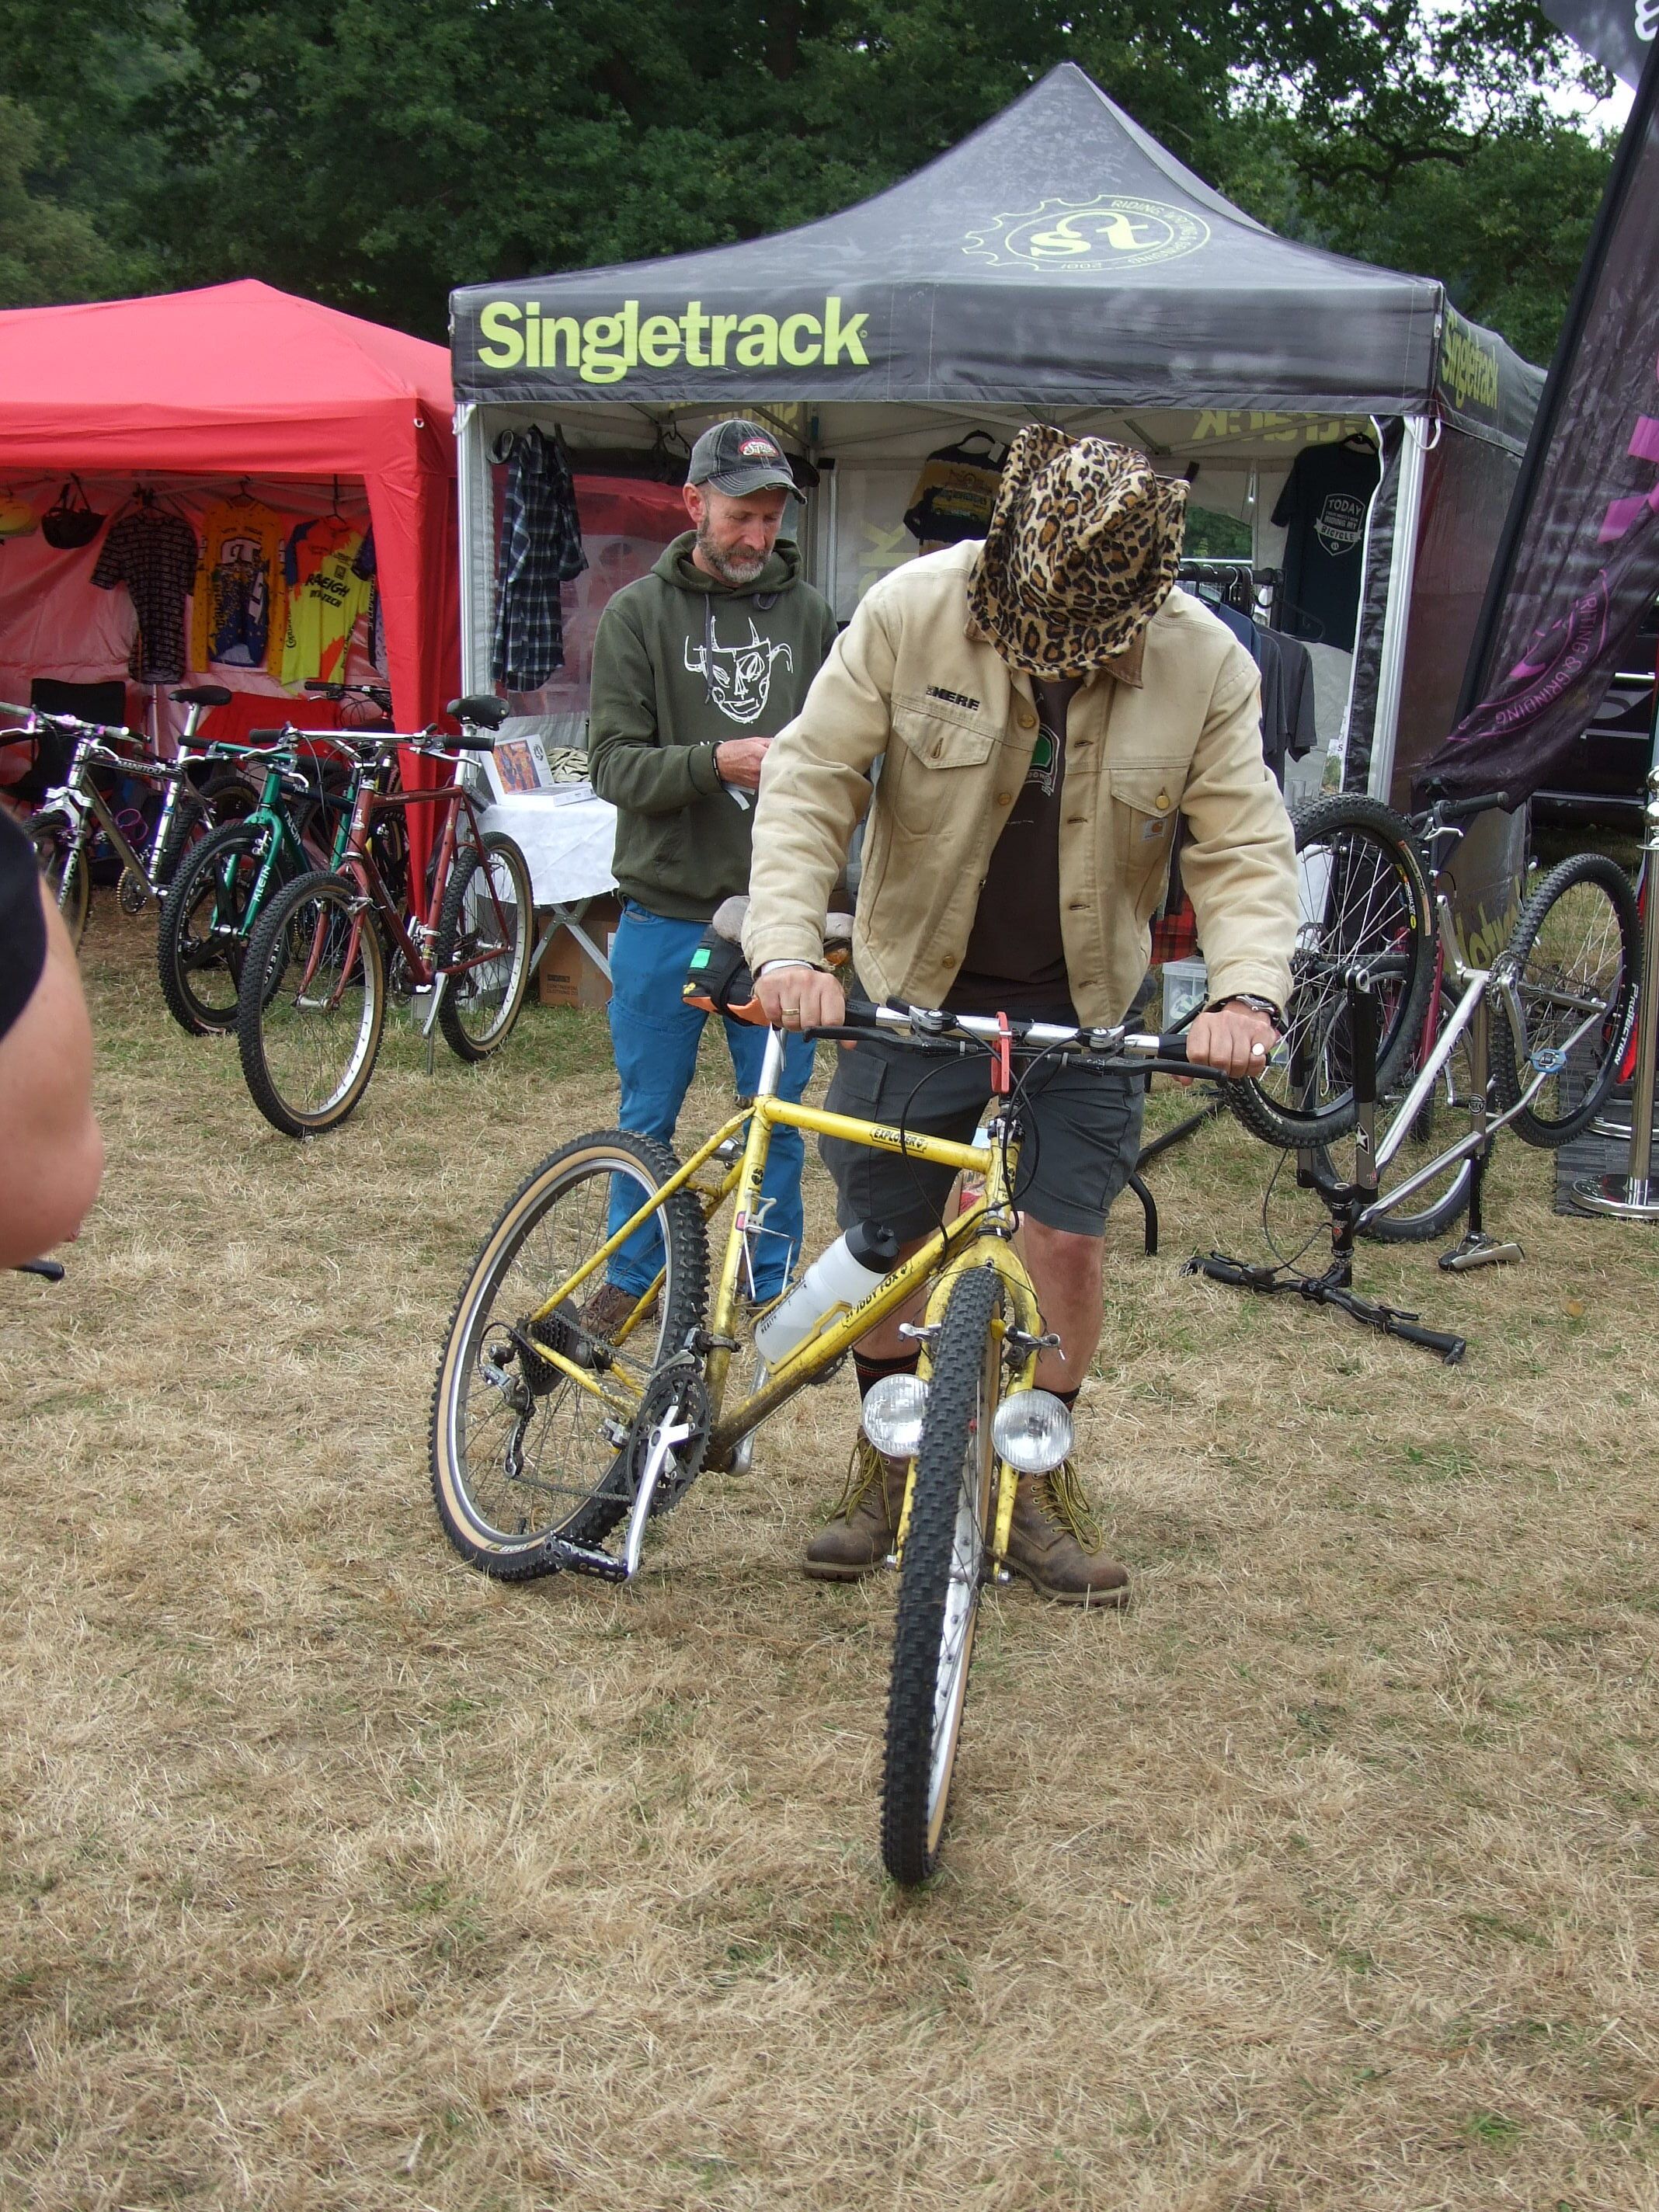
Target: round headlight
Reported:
point(1032, 1431)
point(892, 1414)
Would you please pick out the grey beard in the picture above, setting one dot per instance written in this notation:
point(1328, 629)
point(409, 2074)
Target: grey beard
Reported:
point(729, 571)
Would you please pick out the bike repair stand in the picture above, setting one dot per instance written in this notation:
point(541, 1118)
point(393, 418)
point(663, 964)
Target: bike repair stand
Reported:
point(1335, 1286)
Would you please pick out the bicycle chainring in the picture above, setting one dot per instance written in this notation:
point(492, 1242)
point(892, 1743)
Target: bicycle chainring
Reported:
point(677, 1387)
point(131, 894)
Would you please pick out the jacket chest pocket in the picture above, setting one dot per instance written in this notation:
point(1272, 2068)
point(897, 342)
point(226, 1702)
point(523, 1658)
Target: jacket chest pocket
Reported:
point(1144, 810)
point(925, 766)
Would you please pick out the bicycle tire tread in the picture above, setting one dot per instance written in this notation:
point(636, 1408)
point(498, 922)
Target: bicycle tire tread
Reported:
point(929, 1544)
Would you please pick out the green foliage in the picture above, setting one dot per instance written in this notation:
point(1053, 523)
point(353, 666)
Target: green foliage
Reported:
point(48, 252)
point(378, 152)
point(1216, 536)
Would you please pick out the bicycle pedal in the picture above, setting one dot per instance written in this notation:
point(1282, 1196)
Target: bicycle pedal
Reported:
point(1478, 1250)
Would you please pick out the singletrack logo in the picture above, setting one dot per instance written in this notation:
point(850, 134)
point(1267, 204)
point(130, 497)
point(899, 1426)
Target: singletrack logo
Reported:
point(604, 349)
point(1113, 232)
point(1468, 366)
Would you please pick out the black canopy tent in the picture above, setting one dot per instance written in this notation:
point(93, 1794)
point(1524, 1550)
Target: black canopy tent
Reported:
point(1059, 263)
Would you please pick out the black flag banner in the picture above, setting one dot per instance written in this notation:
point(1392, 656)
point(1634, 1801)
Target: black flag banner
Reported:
point(1579, 562)
point(1618, 32)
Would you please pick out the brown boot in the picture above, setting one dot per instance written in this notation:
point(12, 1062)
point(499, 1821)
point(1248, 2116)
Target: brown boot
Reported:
point(607, 1309)
point(1055, 1542)
point(864, 1527)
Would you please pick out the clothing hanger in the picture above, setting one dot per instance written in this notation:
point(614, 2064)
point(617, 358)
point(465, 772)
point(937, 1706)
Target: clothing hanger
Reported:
point(242, 496)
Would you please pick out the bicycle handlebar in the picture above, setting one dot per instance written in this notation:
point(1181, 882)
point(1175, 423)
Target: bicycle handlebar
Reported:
point(930, 1027)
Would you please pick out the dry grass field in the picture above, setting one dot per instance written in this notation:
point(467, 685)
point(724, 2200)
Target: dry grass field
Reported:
point(332, 1876)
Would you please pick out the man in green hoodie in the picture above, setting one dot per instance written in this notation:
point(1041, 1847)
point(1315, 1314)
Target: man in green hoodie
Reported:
point(696, 667)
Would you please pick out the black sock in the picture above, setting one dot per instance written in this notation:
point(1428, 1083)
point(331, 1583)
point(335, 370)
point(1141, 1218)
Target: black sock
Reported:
point(1067, 1398)
point(870, 1371)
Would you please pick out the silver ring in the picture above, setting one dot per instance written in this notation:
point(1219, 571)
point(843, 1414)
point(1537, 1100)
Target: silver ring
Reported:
point(1258, 1052)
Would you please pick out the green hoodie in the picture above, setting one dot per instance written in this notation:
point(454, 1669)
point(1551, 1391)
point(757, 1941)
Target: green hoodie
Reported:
point(681, 663)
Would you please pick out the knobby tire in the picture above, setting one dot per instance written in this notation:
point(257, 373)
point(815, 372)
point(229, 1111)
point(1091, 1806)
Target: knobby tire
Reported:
point(505, 1479)
point(939, 1578)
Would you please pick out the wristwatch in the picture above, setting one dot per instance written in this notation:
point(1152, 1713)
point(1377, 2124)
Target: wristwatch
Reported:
point(1275, 1014)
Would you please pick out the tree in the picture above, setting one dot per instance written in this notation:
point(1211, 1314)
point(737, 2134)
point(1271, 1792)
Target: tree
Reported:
point(378, 152)
point(48, 252)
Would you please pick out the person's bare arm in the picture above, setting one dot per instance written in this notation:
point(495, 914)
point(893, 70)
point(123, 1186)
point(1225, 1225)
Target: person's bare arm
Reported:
point(51, 1152)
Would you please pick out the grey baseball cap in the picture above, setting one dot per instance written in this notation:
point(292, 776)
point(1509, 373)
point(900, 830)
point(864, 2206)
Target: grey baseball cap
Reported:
point(737, 458)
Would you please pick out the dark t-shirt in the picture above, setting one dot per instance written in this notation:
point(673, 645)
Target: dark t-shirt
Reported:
point(1325, 502)
point(22, 925)
point(1015, 962)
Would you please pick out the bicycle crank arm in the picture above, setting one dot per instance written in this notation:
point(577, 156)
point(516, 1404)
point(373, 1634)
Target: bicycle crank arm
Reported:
point(664, 1438)
point(1477, 1250)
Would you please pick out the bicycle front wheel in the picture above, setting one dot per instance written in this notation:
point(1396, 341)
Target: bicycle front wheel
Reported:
point(185, 831)
point(63, 864)
point(1364, 903)
point(940, 1577)
point(1574, 959)
point(484, 946)
point(523, 1450)
point(1446, 1115)
point(313, 1005)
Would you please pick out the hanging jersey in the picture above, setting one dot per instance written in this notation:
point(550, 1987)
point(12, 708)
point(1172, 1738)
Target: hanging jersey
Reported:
point(153, 553)
point(321, 615)
point(239, 596)
point(310, 543)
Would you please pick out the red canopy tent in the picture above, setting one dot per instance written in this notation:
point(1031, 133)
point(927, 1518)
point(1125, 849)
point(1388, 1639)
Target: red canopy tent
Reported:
point(246, 380)
point(243, 380)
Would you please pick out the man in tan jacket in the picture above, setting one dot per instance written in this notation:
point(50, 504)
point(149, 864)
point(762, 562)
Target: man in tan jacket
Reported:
point(1044, 705)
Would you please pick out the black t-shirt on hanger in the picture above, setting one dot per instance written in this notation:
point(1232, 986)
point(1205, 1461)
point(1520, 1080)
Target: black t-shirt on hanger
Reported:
point(1324, 504)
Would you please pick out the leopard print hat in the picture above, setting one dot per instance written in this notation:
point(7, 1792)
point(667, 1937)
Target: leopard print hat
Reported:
point(1081, 553)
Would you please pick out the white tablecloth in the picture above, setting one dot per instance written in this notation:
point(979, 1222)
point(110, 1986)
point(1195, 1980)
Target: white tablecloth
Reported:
point(567, 842)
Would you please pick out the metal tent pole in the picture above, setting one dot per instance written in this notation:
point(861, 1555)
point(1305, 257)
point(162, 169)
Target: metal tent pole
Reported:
point(1635, 1196)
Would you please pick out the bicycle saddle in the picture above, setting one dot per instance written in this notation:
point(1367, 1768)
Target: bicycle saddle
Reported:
point(480, 709)
point(201, 694)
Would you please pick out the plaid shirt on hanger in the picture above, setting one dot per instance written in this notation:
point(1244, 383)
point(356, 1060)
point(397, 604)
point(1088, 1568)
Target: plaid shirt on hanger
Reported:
point(540, 548)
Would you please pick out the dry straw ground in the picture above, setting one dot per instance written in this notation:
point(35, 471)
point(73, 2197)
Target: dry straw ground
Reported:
point(334, 1876)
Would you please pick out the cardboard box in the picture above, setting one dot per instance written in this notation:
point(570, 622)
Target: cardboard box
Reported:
point(567, 977)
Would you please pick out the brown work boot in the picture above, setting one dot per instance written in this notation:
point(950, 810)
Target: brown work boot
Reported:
point(865, 1526)
point(607, 1309)
point(1055, 1542)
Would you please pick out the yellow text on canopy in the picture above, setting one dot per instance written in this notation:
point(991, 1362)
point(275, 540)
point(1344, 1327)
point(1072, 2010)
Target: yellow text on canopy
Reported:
point(603, 349)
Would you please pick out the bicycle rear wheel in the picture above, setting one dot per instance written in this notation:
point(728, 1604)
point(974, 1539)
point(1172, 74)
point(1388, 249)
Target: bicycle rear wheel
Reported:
point(201, 941)
point(1446, 1114)
point(1574, 956)
point(940, 1577)
point(1364, 901)
point(521, 1450)
point(313, 1005)
point(488, 921)
point(63, 864)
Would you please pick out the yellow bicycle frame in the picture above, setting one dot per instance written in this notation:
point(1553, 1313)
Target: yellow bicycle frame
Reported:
point(982, 1236)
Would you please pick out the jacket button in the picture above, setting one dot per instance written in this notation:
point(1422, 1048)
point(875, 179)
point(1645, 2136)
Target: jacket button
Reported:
point(1005, 799)
point(1162, 802)
point(1027, 719)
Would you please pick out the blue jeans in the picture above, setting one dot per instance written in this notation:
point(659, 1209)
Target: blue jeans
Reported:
point(655, 1036)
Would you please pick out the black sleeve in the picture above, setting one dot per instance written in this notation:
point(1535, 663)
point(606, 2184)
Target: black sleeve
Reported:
point(22, 925)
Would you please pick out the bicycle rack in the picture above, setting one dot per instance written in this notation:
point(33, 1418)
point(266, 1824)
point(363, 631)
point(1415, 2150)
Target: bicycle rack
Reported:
point(1335, 1286)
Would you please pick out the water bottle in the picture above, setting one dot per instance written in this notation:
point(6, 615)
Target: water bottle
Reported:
point(837, 1280)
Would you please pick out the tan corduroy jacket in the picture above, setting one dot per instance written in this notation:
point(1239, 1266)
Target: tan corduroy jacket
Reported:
point(1177, 730)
